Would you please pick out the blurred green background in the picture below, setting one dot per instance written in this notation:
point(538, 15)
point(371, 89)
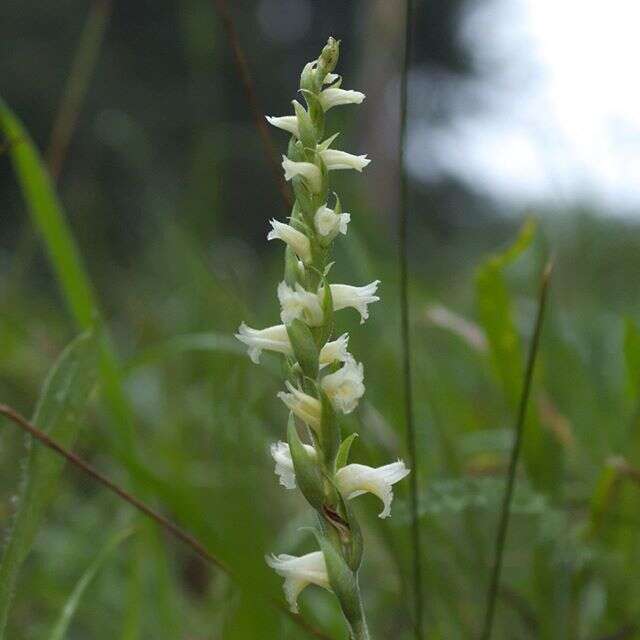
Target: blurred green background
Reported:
point(167, 193)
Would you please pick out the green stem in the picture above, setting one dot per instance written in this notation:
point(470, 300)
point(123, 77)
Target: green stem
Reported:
point(359, 628)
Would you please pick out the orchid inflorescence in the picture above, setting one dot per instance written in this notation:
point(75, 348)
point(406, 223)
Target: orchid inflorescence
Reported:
point(324, 380)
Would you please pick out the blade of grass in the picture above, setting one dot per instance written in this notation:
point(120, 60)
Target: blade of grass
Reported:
point(49, 219)
point(64, 395)
point(242, 67)
point(404, 329)
point(68, 611)
point(501, 537)
point(77, 85)
point(170, 527)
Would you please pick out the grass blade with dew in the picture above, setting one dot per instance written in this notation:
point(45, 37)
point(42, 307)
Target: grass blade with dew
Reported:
point(501, 537)
point(405, 329)
point(63, 398)
point(59, 631)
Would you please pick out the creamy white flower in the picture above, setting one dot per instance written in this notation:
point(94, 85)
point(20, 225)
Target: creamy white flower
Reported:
point(286, 123)
point(306, 407)
point(335, 159)
point(307, 170)
point(334, 97)
point(299, 572)
point(272, 338)
point(345, 387)
point(355, 479)
point(294, 238)
point(335, 350)
point(329, 223)
point(330, 77)
point(281, 453)
point(299, 303)
point(344, 296)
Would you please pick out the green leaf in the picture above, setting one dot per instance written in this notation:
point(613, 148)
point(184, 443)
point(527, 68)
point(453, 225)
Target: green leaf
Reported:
point(304, 347)
point(632, 355)
point(343, 452)
point(329, 430)
point(308, 477)
point(495, 311)
point(64, 396)
point(60, 629)
point(307, 130)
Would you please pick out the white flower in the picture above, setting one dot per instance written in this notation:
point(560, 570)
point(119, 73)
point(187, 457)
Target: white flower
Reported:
point(299, 572)
point(329, 223)
point(345, 387)
point(284, 464)
point(299, 303)
point(307, 170)
point(335, 159)
point(330, 77)
point(294, 238)
point(335, 350)
point(287, 123)
point(306, 407)
point(334, 97)
point(345, 295)
point(272, 338)
point(355, 479)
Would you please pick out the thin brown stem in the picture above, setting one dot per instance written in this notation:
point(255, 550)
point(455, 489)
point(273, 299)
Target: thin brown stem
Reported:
point(77, 84)
point(249, 86)
point(173, 529)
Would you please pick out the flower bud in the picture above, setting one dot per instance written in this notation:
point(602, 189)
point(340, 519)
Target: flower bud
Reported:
point(328, 58)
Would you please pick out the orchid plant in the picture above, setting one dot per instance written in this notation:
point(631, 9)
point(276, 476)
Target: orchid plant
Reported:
point(323, 379)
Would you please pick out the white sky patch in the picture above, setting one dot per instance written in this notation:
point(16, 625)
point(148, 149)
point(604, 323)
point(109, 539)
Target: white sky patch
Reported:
point(554, 115)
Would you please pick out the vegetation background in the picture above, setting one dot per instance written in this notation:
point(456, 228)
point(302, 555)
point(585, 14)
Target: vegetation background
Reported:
point(165, 191)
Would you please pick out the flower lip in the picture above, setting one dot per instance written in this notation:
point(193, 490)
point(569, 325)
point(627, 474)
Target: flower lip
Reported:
point(345, 387)
point(354, 480)
point(286, 123)
point(273, 338)
point(299, 572)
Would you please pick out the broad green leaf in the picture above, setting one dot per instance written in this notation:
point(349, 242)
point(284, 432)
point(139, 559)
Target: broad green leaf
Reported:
point(58, 413)
point(66, 615)
point(495, 310)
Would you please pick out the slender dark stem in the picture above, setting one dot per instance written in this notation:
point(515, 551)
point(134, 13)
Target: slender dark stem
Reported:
point(404, 328)
point(252, 96)
point(501, 537)
point(173, 529)
point(77, 84)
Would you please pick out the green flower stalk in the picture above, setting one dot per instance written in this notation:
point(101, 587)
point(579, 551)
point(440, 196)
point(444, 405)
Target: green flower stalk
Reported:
point(323, 378)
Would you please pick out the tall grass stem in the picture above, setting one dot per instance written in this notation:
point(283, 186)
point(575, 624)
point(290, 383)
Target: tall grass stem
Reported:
point(501, 536)
point(404, 328)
